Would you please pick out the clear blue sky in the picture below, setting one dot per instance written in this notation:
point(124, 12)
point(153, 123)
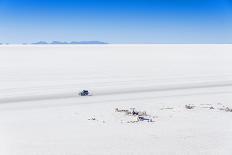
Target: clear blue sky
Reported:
point(116, 21)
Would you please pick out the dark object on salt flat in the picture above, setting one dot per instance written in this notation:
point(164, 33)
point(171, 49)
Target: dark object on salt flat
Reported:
point(211, 107)
point(84, 93)
point(189, 106)
point(140, 118)
point(228, 109)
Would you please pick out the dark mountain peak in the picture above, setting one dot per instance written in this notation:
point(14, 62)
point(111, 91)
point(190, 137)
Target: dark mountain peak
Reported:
point(88, 42)
point(40, 42)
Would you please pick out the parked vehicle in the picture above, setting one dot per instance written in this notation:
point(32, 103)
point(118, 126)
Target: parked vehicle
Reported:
point(85, 93)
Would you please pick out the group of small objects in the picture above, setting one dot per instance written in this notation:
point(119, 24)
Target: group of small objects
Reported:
point(138, 116)
point(226, 109)
point(132, 115)
point(135, 116)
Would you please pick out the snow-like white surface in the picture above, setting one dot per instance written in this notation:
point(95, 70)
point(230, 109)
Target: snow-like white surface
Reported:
point(42, 114)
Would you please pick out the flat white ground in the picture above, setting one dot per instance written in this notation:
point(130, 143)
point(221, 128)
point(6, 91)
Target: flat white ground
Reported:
point(42, 114)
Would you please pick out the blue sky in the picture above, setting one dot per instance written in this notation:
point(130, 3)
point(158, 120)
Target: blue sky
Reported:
point(116, 21)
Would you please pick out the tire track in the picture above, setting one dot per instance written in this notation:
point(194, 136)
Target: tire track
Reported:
point(117, 91)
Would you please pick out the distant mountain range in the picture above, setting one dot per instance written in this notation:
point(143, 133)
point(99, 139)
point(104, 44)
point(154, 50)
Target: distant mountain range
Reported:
point(73, 42)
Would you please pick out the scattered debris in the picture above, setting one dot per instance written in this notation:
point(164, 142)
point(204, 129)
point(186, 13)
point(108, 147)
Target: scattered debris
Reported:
point(141, 118)
point(166, 108)
point(133, 121)
point(205, 104)
point(121, 110)
point(211, 107)
point(189, 106)
point(136, 115)
point(92, 119)
point(227, 109)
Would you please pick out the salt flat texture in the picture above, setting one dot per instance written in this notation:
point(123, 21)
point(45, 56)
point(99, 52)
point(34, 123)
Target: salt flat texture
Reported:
point(42, 114)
